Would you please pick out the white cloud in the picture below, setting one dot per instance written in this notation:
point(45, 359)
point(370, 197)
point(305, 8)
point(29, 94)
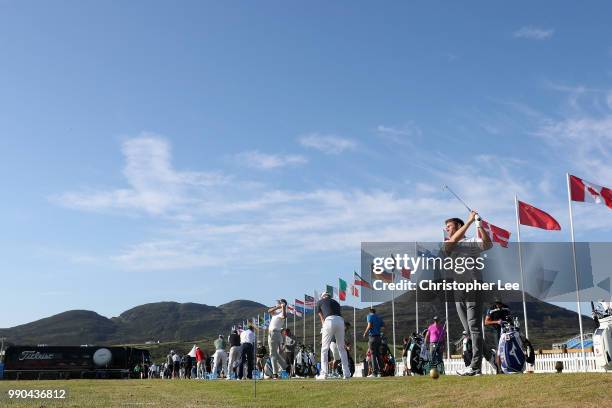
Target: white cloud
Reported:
point(403, 135)
point(208, 219)
point(328, 144)
point(265, 161)
point(154, 186)
point(584, 143)
point(166, 255)
point(534, 33)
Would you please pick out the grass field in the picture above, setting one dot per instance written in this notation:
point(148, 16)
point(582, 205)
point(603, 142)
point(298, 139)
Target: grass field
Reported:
point(539, 390)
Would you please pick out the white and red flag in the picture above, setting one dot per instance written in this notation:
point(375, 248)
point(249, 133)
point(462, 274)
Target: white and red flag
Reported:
point(586, 192)
point(496, 234)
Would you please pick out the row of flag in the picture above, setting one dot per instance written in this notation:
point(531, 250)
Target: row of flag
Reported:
point(580, 191)
point(301, 307)
point(528, 215)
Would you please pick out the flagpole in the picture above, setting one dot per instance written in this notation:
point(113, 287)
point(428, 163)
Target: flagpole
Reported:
point(520, 251)
point(447, 328)
point(294, 312)
point(416, 295)
point(304, 323)
point(393, 313)
point(354, 337)
point(314, 327)
point(569, 203)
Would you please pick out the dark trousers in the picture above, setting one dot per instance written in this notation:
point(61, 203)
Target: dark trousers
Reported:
point(470, 314)
point(374, 346)
point(246, 357)
point(289, 357)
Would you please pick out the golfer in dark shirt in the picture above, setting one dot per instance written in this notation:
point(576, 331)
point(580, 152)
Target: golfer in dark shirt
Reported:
point(375, 324)
point(332, 326)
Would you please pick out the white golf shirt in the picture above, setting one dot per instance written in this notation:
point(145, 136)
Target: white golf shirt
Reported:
point(276, 323)
point(247, 336)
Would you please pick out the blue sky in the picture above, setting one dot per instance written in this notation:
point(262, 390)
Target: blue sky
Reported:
point(217, 151)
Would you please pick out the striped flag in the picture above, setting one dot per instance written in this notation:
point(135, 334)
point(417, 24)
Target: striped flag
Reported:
point(299, 312)
point(359, 281)
point(299, 306)
point(354, 290)
point(342, 289)
point(266, 319)
point(309, 304)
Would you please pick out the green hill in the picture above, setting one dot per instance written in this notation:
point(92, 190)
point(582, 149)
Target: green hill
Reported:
point(172, 324)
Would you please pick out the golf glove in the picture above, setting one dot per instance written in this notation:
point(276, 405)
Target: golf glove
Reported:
point(477, 221)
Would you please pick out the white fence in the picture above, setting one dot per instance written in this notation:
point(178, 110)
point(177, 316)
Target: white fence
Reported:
point(544, 363)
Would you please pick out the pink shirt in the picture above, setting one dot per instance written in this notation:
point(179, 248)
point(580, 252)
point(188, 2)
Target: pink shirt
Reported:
point(436, 333)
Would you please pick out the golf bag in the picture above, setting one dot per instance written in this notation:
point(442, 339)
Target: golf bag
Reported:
point(338, 366)
point(337, 362)
point(267, 371)
point(511, 355)
point(529, 352)
point(433, 359)
point(387, 362)
point(305, 362)
point(414, 355)
point(602, 340)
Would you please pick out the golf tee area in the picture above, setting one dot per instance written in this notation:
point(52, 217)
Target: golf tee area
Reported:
point(534, 390)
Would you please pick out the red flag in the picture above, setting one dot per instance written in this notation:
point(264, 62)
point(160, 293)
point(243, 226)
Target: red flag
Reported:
point(497, 234)
point(354, 290)
point(534, 217)
point(406, 273)
point(587, 192)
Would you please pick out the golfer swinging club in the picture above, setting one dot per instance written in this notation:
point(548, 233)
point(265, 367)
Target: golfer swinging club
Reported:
point(332, 326)
point(469, 305)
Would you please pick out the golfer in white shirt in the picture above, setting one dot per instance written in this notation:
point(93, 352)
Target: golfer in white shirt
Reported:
point(275, 338)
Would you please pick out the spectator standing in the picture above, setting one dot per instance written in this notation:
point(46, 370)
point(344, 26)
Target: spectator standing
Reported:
point(373, 331)
point(405, 348)
point(289, 344)
point(247, 342)
point(234, 354)
point(200, 363)
point(176, 365)
point(220, 357)
point(434, 337)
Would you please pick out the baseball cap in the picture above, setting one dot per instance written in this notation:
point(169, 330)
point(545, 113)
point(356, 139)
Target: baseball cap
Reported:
point(324, 295)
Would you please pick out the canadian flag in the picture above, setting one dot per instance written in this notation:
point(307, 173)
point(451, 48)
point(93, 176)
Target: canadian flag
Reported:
point(497, 235)
point(587, 192)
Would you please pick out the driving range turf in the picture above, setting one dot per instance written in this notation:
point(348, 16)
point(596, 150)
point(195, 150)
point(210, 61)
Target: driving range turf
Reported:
point(541, 390)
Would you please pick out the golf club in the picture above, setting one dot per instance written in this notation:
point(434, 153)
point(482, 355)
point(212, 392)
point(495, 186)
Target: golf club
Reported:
point(460, 200)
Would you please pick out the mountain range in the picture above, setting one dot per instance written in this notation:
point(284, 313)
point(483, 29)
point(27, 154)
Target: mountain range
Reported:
point(182, 322)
